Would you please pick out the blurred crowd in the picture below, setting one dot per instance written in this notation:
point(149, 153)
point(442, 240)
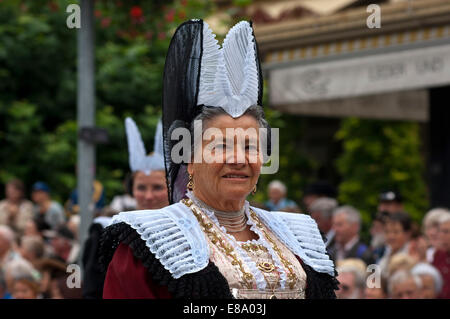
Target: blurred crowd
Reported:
point(401, 259)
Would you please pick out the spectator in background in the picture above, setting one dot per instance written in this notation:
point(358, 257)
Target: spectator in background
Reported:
point(277, 192)
point(25, 287)
point(400, 261)
point(46, 210)
point(431, 280)
point(377, 292)
point(321, 210)
point(32, 248)
point(351, 282)
point(97, 203)
point(390, 201)
point(377, 233)
point(73, 225)
point(125, 202)
point(64, 245)
point(398, 233)
point(346, 225)
point(17, 269)
point(441, 258)
point(430, 225)
point(51, 271)
point(7, 251)
point(15, 210)
point(317, 190)
point(404, 285)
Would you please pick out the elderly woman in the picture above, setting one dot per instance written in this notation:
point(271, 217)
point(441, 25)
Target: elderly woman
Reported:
point(430, 224)
point(277, 192)
point(210, 243)
point(15, 210)
point(404, 285)
point(431, 280)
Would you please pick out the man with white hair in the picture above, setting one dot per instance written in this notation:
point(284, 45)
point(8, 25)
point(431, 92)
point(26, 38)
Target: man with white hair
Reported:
point(404, 285)
point(441, 259)
point(351, 282)
point(431, 280)
point(321, 210)
point(277, 192)
point(347, 244)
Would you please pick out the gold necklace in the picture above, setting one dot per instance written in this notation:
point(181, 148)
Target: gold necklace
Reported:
point(287, 264)
point(217, 240)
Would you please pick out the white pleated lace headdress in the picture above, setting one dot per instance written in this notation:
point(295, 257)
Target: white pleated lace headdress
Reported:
point(138, 158)
point(229, 76)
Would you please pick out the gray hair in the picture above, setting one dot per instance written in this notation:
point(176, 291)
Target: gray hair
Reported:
point(360, 280)
point(432, 217)
point(33, 244)
point(401, 276)
point(325, 206)
point(276, 184)
point(429, 270)
point(7, 233)
point(209, 113)
point(444, 218)
point(18, 268)
point(352, 214)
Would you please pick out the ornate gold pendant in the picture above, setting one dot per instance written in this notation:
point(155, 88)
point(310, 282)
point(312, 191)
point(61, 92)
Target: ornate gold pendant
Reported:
point(266, 266)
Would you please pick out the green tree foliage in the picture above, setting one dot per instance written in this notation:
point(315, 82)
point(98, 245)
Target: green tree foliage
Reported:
point(379, 155)
point(38, 80)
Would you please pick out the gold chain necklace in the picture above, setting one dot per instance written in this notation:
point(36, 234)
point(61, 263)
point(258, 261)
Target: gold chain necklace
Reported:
point(220, 243)
point(229, 251)
point(291, 276)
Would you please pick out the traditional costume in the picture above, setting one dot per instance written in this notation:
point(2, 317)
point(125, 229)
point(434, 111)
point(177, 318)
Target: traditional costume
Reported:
point(183, 250)
point(94, 275)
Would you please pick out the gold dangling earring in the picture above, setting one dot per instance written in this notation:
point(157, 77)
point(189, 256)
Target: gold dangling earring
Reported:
point(190, 184)
point(254, 190)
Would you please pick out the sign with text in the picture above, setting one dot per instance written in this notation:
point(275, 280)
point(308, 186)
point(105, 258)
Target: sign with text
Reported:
point(374, 74)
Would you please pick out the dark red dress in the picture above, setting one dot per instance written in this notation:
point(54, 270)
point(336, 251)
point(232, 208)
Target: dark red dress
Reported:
point(441, 261)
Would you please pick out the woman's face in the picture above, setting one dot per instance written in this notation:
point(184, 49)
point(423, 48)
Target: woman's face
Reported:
point(12, 193)
point(237, 164)
point(428, 290)
point(431, 233)
point(23, 291)
point(396, 237)
point(150, 191)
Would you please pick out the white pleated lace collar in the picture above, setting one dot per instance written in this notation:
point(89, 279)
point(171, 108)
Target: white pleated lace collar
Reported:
point(175, 237)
